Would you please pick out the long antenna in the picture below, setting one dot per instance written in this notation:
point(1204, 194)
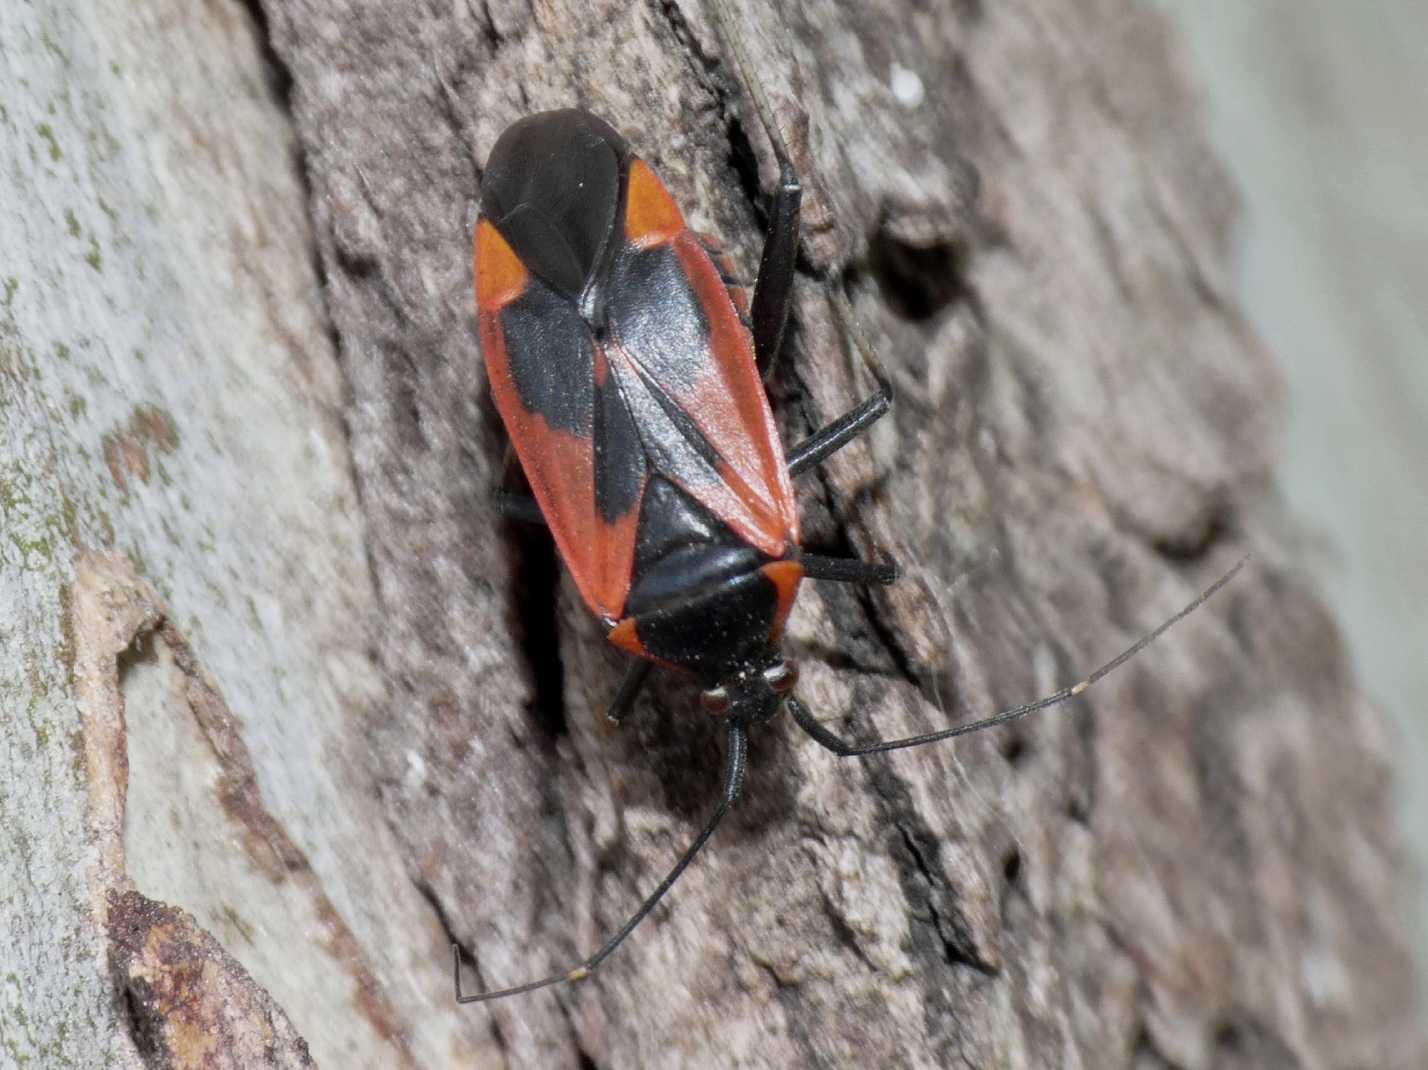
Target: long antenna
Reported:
point(734, 760)
point(845, 749)
point(842, 307)
point(729, 30)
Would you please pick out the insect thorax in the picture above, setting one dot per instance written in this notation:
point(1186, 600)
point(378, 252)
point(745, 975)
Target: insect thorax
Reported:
point(699, 598)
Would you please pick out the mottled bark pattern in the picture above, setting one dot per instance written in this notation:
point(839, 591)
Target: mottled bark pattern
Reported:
point(368, 715)
point(1084, 435)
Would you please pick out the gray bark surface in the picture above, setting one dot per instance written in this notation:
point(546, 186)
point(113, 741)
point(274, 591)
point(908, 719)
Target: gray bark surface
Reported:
point(286, 706)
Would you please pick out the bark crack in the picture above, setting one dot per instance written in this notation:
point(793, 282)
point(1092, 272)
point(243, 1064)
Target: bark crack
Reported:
point(465, 956)
point(534, 594)
point(958, 947)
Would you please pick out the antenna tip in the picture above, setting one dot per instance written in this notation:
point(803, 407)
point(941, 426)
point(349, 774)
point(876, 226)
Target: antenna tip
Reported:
point(456, 971)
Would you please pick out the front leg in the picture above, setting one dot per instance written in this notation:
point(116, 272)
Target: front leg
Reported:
point(630, 688)
point(773, 292)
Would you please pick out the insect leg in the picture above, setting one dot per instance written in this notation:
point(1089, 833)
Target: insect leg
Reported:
point(630, 688)
point(734, 760)
point(520, 507)
point(847, 569)
point(836, 434)
point(773, 292)
point(844, 749)
point(833, 436)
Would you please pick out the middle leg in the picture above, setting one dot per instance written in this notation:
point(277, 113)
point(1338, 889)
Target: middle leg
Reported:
point(848, 569)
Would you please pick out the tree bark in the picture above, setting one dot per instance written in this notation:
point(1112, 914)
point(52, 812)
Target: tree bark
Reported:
point(287, 708)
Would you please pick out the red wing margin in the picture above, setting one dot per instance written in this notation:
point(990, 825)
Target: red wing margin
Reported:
point(684, 365)
point(551, 386)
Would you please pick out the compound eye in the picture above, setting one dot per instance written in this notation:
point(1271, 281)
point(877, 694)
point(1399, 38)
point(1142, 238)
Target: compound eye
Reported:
point(716, 700)
point(782, 677)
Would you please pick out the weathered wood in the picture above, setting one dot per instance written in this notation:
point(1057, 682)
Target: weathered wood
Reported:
point(186, 611)
point(1192, 867)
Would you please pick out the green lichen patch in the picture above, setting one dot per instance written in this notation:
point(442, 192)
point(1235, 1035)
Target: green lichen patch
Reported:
point(38, 532)
point(67, 648)
point(47, 134)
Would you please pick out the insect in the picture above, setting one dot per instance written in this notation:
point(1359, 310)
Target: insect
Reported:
point(631, 388)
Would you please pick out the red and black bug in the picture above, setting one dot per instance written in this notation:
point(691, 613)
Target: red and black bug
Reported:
point(630, 383)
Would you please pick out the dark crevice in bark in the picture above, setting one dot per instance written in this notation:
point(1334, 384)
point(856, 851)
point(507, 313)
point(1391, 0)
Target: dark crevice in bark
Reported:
point(1248, 1044)
point(1014, 748)
point(140, 650)
point(874, 626)
point(357, 266)
point(281, 85)
point(428, 893)
point(492, 36)
point(468, 959)
point(1011, 867)
point(792, 1005)
point(703, 62)
point(885, 627)
point(958, 948)
point(917, 282)
point(888, 639)
point(1011, 882)
point(1147, 1054)
point(845, 935)
point(935, 941)
point(142, 1025)
point(406, 394)
point(723, 81)
point(845, 661)
point(1213, 527)
point(1078, 808)
point(744, 162)
point(535, 589)
point(277, 73)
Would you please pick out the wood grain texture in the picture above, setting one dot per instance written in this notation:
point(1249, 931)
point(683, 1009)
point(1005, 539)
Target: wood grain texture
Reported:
point(1192, 867)
point(1084, 435)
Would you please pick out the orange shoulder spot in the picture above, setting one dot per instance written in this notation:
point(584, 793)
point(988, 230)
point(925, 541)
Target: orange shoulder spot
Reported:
point(500, 275)
point(651, 216)
point(786, 576)
point(623, 635)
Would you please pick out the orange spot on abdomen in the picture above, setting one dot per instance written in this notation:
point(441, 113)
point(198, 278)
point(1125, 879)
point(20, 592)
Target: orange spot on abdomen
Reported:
point(785, 576)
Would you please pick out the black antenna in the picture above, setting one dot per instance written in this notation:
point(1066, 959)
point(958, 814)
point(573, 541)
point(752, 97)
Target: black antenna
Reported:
point(845, 749)
point(734, 760)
